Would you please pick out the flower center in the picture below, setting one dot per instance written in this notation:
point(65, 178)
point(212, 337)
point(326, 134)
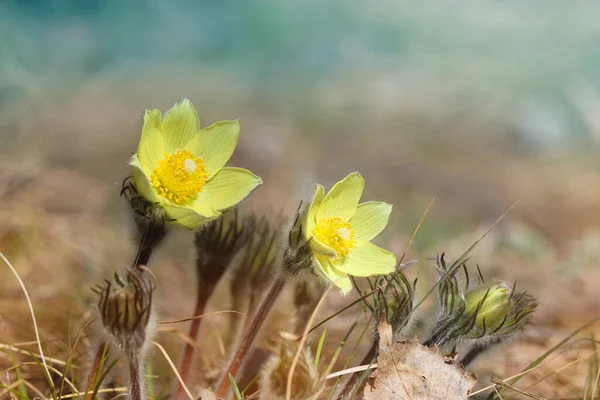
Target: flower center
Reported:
point(180, 176)
point(337, 234)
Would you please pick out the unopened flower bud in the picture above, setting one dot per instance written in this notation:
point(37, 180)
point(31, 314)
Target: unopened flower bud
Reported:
point(218, 242)
point(490, 305)
point(482, 314)
point(125, 308)
point(298, 255)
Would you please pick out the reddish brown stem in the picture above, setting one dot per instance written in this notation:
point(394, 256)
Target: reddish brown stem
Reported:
point(203, 295)
point(250, 334)
point(94, 373)
point(137, 386)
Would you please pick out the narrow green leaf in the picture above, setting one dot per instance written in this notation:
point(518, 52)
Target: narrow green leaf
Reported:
point(319, 348)
point(236, 390)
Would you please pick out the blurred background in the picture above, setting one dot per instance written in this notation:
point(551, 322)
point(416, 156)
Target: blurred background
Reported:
point(477, 105)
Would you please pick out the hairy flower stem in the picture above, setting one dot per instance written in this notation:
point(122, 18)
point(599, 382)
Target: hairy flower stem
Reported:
point(151, 235)
point(204, 293)
point(250, 334)
point(95, 371)
point(137, 386)
point(476, 352)
point(369, 359)
point(302, 318)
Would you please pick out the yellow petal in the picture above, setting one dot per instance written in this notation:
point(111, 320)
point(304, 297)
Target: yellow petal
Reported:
point(191, 218)
point(321, 249)
point(215, 144)
point(227, 188)
point(370, 219)
point(141, 181)
point(180, 125)
point(367, 260)
point(152, 143)
point(342, 199)
point(311, 214)
point(335, 276)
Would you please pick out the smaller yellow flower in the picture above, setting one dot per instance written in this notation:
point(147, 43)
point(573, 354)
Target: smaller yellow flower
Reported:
point(182, 168)
point(340, 231)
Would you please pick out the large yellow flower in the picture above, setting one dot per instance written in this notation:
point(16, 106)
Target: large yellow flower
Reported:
point(340, 231)
point(182, 168)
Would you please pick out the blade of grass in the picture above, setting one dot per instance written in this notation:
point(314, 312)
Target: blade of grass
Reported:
point(21, 386)
point(355, 302)
point(19, 377)
point(13, 347)
point(103, 377)
point(35, 327)
point(414, 234)
point(69, 363)
point(541, 358)
point(463, 257)
point(149, 379)
point(249, 385)
point(45, 371)
point(234, 386)
point(62, 381)
point(499, 382)
point(122, 390)
point(11, 389)
point(360, 338)
point(319, 349)
point(166, 355)
point(360, 292)
point(341, 346)
point(288, 390)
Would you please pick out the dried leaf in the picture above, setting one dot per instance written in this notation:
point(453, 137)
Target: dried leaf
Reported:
point(408, 370)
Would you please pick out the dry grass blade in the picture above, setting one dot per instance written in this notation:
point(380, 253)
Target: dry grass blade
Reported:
point(355, 302)
point(56, 371)
point(166, 355)
point(463, 257)
point(414, 234)
point(499, 382)
point(78, 394)
point(540, 359)
point(177, 321)
point(288, 391)
point(14, 348)
point(35, 327)
point(351, 370)
point(562, 368)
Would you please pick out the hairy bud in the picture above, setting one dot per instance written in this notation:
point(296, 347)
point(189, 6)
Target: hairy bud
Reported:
point(125, 307)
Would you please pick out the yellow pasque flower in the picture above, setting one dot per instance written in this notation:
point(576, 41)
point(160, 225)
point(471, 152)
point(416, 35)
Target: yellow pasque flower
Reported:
point(340, 231)
point(182, 168)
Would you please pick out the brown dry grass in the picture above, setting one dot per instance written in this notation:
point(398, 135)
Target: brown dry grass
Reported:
point(64, 227)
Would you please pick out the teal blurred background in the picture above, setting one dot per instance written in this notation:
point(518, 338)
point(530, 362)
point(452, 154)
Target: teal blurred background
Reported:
point(468, 102)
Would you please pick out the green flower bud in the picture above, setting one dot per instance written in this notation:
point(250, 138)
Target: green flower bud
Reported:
point(217, 244)
point(490, 305)
point(481, 314)
point(298, 255)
